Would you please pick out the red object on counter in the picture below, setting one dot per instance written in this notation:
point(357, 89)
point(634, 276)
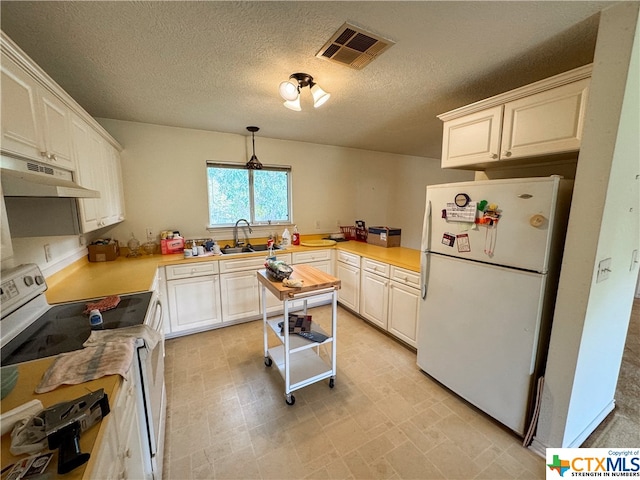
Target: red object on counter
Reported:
point(295, 238)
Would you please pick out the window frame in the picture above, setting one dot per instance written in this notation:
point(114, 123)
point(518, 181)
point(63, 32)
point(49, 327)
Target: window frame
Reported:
point(241, 166)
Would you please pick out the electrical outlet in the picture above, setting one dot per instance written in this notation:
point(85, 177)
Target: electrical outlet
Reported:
point(149, 233)
point(47, 252)
point(604, 269)
point(317, 224)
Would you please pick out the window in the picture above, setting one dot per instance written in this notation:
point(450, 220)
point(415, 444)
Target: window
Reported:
point(260, 196)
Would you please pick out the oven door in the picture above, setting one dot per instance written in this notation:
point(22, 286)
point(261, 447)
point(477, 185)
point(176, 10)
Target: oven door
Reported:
point(152, 377)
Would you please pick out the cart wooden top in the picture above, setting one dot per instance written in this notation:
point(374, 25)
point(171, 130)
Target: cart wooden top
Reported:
point(313, 279)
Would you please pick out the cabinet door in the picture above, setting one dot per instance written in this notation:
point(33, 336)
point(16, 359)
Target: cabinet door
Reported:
point(6, 245)
point(546, 123)
point(131, 448)
point(194, 303)
point(20, 129)
point(374, 298)
point(88, 156)
point(56, 118)
point(472, 139)
point(114, 201)
point(241, 295)
point(105, 462)
point(349, 293)
point(404, 302)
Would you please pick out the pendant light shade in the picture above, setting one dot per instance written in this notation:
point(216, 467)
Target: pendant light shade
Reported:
point(319, 95)
point(290, 91)
point(294, 104)
point(253, 163)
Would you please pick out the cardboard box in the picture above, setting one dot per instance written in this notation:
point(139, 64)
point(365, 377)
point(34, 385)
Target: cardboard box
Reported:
point(384, 236)
point(104, 253)
point(172, 245)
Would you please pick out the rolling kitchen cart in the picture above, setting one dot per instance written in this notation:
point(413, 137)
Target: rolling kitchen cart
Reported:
point(299, 360)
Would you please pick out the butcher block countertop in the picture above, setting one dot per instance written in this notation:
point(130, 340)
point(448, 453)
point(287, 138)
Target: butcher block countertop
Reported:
point(30, 374)
point(86, 280)
point(312, 279)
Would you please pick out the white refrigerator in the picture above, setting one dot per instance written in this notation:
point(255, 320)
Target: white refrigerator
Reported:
point(491, 253)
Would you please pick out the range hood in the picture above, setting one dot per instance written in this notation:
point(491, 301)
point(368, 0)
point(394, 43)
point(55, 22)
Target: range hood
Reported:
point(26, 178)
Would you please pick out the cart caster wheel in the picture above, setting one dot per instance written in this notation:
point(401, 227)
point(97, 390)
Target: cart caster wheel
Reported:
point(268, 362)
point(290, 400)
point(332, 383)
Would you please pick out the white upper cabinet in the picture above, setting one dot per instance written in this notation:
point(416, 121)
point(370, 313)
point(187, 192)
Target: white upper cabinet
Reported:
point(98, 169)
point(544, 119)
point(35, 123)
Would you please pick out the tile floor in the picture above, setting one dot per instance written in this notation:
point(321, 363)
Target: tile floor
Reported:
point(227, 418)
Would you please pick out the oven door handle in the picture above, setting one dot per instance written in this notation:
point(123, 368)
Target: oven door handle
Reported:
point(157, 318)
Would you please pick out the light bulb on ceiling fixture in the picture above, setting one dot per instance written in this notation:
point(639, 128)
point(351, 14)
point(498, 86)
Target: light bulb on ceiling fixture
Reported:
point(293, 104)
point(290, 91)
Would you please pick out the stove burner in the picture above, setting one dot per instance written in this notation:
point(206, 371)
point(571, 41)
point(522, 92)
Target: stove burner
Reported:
point(64, 328)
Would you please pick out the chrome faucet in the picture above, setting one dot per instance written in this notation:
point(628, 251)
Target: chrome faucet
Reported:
point(236, 242)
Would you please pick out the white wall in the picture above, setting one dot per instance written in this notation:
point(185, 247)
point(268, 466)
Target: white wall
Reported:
point(165, 184)
point(591, 319)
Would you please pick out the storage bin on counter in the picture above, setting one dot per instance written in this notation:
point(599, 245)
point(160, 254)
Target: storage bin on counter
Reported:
point(384, 236)
point(172, 245)
point(104, 253)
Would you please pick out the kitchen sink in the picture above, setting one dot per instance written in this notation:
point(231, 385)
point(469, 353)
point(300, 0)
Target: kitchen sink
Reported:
point(247, 249)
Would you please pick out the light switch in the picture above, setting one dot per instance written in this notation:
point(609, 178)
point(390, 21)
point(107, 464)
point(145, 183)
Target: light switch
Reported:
point(604, 269)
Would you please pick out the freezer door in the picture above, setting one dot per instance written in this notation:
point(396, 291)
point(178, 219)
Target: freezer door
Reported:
point(478, 334)
point(522, 236)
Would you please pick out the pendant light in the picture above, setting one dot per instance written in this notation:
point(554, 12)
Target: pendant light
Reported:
point(253, 163)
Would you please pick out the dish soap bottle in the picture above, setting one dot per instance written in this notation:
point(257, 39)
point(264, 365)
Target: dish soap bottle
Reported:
point(286, 238)
point(295, 237)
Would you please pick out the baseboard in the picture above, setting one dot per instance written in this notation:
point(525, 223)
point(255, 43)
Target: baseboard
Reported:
point(579, 440)
point(540, 448)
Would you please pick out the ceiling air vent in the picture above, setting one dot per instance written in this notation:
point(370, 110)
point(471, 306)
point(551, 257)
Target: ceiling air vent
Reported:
point(353, 47)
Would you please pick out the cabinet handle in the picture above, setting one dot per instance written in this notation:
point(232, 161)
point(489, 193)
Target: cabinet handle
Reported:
point(53, 157)
point(493, 155)
point(193, 271)
point(44, 154)
point(127, 453)
point(506, 153)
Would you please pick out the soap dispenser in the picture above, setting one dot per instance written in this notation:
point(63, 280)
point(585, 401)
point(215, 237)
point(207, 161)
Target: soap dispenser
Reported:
point(295, 237)
point(286, 238)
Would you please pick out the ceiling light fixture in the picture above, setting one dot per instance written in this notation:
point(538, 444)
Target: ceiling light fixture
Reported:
point(290, 91)
point(253, 163)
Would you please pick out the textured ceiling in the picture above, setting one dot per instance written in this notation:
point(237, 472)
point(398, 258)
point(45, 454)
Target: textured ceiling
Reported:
point(216, 65)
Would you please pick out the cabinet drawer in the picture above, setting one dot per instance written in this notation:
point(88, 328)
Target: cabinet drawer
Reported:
point(349, 258)
point(311, 256)
point(373, 266)
point(240, 264)
point(188, 270)
point(407, 277)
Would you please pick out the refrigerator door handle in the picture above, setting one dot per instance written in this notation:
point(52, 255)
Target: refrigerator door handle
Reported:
point(425, 261)
point(424, 246)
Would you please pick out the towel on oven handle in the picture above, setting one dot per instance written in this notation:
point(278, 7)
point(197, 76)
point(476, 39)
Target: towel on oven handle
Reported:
point(90, 363)
point(100, 337)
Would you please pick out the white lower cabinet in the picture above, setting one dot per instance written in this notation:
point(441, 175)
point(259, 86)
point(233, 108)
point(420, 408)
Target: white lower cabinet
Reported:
point(193, 294)
point(374, 291)
point(240, 290)
point(348, 271)
point(320, 259)
point(120, 454)
point(404, 302)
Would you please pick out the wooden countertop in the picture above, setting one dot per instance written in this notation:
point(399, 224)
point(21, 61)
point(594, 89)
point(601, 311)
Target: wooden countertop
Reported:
point(83, 279)
point(312, 278)
point(30, 374)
